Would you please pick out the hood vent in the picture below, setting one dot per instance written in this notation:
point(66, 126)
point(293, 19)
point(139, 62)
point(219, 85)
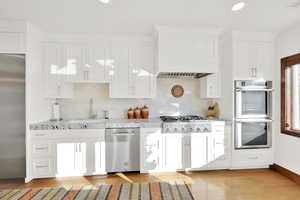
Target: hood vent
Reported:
point(179, 75)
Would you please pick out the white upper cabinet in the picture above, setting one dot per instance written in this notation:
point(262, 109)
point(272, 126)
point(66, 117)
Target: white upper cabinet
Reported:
point(252, 56)
point(12, 43)
point(210, 86)
point(119, 86)
point(86, 63)
point(13, 36)
point(56, 73)
point(187, 50)
point(132, 70)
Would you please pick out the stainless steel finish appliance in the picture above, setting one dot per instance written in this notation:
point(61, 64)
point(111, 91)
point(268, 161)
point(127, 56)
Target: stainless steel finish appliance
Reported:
point(122, 149)
point(253, 99)
point(185, 124)
point(253, 133)
point(253, 114)
point(12, 116)
point(181, 75)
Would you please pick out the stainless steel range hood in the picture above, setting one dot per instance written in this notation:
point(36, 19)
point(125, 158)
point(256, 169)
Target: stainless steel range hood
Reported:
point(180, 75)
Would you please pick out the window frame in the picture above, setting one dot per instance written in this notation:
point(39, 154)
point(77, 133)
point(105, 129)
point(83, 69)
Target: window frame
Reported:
point(286, 63)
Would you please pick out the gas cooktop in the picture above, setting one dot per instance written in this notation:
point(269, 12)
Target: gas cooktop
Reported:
point(182, 118)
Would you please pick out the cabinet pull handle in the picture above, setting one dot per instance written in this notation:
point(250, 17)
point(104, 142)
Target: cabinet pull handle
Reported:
point(41, 134)
point(41, 166)
point(59, 90)
point(253, 158)
point(41, 148)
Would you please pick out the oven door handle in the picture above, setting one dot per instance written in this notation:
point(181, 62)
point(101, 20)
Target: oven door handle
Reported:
point(254, 120)
point(253, 89)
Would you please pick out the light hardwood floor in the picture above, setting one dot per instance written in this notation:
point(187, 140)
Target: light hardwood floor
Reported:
point(260, 184)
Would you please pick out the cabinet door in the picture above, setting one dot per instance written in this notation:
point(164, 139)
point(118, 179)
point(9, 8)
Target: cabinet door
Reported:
point(97, 63)
point(119, 87)
point(80, 157)
point(172, 151)
point(199, 150)
point(65, 159)
point(243, 59)
point(264, 60)
point(73, 60)
point(12, 43)
point(217, 147)
point(71, 158)
point(142, 71)
point(210, 86)
point(150, 152)
point(56, 73)
point(96, 157)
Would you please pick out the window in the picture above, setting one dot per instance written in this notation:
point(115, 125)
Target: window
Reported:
point(290, 95)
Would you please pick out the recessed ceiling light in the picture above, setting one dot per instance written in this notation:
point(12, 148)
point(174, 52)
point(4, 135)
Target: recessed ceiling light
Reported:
point(238, 6)
point(105, 1)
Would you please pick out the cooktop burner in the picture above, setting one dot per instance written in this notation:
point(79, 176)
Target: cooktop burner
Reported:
point(183, 118)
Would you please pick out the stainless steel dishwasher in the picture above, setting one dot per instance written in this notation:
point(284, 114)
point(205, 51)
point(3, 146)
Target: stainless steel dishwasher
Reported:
point(122, 149)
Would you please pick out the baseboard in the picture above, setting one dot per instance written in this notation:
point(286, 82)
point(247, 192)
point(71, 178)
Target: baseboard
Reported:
point(287, 173)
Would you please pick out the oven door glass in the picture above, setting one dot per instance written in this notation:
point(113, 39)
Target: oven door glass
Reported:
point(253, 104)
point(253, 134)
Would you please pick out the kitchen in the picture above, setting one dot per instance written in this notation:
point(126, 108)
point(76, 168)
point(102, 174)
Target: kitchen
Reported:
point(179, 102)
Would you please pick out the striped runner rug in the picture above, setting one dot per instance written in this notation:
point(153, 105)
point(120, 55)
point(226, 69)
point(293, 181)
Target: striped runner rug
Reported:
point(127, 191)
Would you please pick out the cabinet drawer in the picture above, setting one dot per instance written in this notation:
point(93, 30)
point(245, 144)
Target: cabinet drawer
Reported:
point(43, 167)
point(40, 134)
point(42, 149)
point(246, 158)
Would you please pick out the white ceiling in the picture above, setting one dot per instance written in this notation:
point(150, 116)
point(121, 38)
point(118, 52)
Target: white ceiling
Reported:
point(139, 16)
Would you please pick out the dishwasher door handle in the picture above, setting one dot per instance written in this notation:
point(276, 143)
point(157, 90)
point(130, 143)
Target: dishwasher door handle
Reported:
point(123, 134)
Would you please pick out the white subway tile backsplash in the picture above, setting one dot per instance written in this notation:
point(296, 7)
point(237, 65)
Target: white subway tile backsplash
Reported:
point(164, 103)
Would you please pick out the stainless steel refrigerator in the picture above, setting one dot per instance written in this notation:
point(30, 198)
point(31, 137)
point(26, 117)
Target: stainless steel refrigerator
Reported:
point(12, 116)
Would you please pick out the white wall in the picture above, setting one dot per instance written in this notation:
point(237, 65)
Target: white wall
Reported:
point(163, 104)
point(287, 148)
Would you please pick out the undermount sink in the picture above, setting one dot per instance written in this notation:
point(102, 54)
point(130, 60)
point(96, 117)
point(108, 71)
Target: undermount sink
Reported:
point(86, 121)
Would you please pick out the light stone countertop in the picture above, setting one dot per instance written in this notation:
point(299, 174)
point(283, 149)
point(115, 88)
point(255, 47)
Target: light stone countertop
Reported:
point(103, 123)
point(97, 124)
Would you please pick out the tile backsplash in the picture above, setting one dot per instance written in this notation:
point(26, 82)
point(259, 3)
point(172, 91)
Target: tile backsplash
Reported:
point(163, 104)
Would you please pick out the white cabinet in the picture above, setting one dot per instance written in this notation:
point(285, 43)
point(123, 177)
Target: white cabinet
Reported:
point(67, 153)
point(253, 59)
point(56, 73)
point(150, 150)
point(96, 157)
point(173, 152)
point(43, 167)
point(97, 64)
point(187, 50)
point(12, 42)
point(70, 158)
point(198, 150)
point(132, 71)
point(210, 86)
point(120, 86)
point(87, 64)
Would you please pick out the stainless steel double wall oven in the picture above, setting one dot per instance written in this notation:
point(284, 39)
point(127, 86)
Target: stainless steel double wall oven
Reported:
point(253, 114)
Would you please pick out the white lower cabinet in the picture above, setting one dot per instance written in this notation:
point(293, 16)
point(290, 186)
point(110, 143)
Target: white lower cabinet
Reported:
point(43, 167)
point(150, 150)
point(71, 158)
point(67, 153)
point(184, 151)
point(198, 150)
point(172, 152)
